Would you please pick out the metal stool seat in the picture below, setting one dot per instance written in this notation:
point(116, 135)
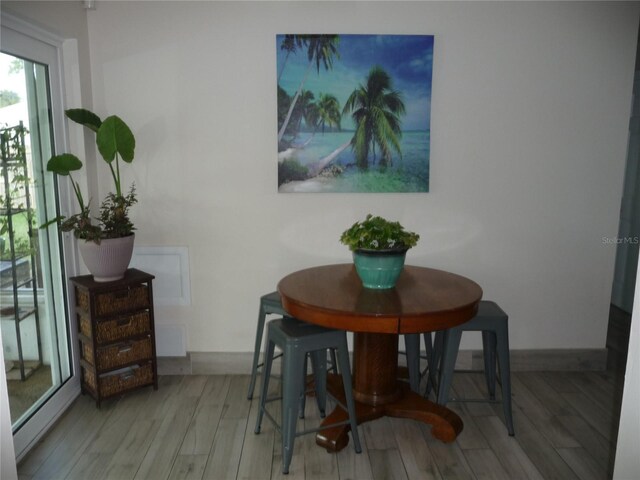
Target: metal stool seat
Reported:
point(298, 339)
point(269, 304)
point(441, 356)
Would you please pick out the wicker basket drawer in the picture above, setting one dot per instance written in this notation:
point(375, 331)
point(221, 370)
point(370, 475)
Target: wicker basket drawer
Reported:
point(118, 354)
point(117, 382)
point(116, 329)
point(115, 302)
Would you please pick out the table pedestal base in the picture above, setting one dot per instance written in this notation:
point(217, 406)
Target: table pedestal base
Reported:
point(446, 425)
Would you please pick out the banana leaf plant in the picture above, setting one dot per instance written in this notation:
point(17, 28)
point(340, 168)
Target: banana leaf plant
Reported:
point(115, 142)
point(114, 139)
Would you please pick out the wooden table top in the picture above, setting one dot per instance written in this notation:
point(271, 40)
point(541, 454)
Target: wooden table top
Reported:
point(424, 299)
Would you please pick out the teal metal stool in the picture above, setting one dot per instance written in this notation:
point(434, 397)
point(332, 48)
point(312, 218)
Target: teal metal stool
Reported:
point(298, 339)
point(441, 356)
point(269, 304)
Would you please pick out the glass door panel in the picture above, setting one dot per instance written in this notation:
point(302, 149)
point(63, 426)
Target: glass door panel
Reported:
point(35, 334)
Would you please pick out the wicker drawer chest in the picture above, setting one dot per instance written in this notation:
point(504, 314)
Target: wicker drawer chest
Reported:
point(116, 334)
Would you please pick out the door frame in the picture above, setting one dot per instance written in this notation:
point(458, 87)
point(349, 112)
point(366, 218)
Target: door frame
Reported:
point(624, 279)
point(62, 58)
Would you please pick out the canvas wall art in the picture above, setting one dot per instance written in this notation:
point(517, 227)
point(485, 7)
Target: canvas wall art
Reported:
point(354, 112)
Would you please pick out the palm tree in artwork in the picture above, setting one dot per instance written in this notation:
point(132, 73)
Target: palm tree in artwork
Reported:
point(290, 43)
point(307, 110)
point(328, 111)
point(375, 108)
point(321, 49)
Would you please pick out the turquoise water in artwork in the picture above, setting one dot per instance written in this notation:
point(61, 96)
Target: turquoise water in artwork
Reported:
point(409, 173)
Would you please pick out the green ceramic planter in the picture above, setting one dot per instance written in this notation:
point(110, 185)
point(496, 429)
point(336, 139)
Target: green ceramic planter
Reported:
point(379, 269)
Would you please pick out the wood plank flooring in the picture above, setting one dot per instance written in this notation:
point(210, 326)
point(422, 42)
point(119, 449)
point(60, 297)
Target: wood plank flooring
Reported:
point(201, 427)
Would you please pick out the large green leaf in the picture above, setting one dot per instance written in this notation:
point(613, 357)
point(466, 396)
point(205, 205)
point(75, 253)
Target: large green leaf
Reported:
point(63, 164)
point(84, 117)
point(115, 136)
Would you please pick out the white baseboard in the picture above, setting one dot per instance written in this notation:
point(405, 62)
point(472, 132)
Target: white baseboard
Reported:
point(239, 363)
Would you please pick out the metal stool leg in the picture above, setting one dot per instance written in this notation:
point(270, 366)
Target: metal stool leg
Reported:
point(334, 363)
point(343, 358)
point(256, 349)
point(489, 356)
point(266, 375)
point(293, 387)
point(448, 363)
point(319, 366)
point(438, 346)
point(412, 347)
point(432, 363)
point(502, 337)
point(319, 369)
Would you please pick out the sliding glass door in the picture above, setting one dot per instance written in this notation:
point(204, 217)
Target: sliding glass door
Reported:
point(36, 341)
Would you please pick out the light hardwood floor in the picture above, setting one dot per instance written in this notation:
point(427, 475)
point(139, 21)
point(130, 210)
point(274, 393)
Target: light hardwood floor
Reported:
point(198, 427)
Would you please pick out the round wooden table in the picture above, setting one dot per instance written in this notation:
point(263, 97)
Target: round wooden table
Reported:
point(423, 300)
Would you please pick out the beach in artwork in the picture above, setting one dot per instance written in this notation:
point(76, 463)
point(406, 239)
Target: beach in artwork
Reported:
point(354, 113)
point(408, 174)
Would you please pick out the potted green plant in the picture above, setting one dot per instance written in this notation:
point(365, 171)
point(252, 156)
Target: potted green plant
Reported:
point(379, 249)
point(105, 242)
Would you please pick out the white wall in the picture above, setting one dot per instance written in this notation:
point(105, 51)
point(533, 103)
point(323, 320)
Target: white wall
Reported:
point(529, 127)
point(530, 107)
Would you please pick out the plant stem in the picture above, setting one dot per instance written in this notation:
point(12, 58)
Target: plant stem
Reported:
point(115, 177)
point(119, 192)
point(76, 189)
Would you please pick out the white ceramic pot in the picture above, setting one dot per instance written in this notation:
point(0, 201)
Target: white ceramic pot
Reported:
point(109, 260)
